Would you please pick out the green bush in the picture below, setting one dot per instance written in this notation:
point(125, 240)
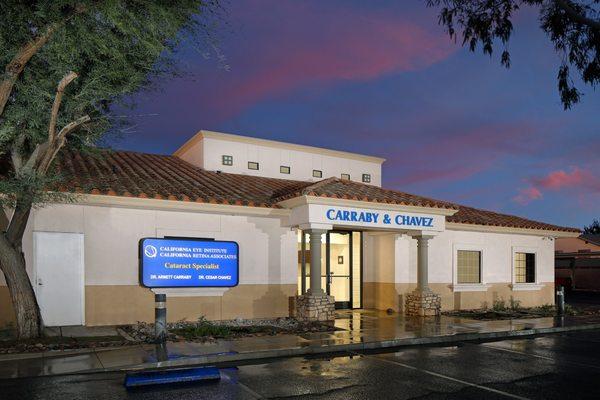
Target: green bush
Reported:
point(203, 328)
point(546, 309)
point(570, 310)
point(499, 305)
point(515, 305)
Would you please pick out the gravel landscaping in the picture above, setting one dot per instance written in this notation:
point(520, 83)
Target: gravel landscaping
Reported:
point(201, 330)
point(499, 312)
point(59, 344)
point(206, 331)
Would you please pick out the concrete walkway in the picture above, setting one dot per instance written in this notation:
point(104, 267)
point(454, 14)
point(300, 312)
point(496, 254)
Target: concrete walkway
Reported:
point(361, 330)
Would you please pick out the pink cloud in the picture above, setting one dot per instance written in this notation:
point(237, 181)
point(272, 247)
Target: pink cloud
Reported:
point(527, 195)
point(465, 154)
point(557, 180)
point(580, 182)
point(298, 44)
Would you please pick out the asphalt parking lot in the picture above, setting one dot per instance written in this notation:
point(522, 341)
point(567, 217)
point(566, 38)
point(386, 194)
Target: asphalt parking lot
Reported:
point(559, 366)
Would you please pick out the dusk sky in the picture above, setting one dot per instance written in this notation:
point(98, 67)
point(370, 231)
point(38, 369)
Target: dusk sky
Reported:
point(382, 78)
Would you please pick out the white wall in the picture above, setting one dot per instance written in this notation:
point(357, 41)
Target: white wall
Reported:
point(393, 257)
point(497, 257)
point(267, 251)
point(271, 158)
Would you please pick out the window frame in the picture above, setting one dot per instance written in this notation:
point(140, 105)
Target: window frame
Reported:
point(319, 171)
point(482, 286)
point(223, 160)
point(289, 169)
point(368, 180)
point(345, 179)
point(254, 162)
point(535, 285)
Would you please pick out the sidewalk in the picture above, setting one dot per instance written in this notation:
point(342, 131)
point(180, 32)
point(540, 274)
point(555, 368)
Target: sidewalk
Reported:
point(362, 330)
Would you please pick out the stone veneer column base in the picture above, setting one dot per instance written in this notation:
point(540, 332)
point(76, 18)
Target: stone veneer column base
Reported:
point(423, 303)
point(309, 307)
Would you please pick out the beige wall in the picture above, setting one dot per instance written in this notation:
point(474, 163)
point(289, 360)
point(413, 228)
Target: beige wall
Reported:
point(384, 295)
point(127, 304)
point(573, 245)
point(390, 269)
point(119, 304)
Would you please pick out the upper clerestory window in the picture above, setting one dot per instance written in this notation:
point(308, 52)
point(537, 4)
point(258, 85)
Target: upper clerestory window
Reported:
point(227, 160)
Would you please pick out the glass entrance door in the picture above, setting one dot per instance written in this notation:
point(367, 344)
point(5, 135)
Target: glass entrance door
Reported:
point(339, 273)
point(341, 266)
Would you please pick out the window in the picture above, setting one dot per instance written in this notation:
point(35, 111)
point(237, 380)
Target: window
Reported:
point(524, 267)
point(317, 173)
point(252, 165)
point(468, 266)
point(346, 177)
point(227, 160)
point(366, 178)
point(284, 170)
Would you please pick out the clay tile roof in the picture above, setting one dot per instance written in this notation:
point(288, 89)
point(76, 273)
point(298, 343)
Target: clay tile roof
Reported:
point(345, 189)
point(153, 176)
point(469, 215)
point(125, 173)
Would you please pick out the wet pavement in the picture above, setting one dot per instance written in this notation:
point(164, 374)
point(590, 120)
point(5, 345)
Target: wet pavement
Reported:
point(554, 366)
point(356, 327)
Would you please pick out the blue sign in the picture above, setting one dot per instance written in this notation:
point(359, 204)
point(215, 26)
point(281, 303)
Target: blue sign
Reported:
point(171, 263)
point(373, 217)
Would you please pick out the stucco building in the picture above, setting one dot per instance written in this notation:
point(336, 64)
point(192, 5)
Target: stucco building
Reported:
point(308, 221)
point(578, 262)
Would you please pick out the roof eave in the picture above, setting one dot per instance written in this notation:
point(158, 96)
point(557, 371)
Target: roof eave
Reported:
point(510, 229)
point(306, 199)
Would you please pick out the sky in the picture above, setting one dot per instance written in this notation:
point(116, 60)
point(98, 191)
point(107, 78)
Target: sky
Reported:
point(382, 78)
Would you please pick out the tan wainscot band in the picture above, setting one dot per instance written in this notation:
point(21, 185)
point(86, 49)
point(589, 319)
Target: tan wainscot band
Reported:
point(315, 229)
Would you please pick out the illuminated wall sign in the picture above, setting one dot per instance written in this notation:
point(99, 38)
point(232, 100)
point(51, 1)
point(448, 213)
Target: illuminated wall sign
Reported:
point(169, 263)
point(366, 218)
point(334, 214)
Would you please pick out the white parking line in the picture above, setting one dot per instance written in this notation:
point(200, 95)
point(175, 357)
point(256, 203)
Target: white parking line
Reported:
point(241, 385)
point(500, 392)
point(487, 346)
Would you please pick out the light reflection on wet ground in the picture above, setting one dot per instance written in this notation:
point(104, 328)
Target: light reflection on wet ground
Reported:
point(548, 367)
point(354, 326)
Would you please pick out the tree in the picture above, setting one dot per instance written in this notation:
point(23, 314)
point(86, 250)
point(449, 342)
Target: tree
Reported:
point(65, 63)
point(572, 26)
point(593, 228)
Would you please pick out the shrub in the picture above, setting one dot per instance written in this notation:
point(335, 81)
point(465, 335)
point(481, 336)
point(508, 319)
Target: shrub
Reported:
point(545, 309)
point(570, 310)
point(514, 304)
point(499, 305)
point(203, 328)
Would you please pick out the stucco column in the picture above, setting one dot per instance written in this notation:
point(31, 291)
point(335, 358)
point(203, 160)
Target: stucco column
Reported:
point(422, 301)
point(315, 262)
point(422, 263)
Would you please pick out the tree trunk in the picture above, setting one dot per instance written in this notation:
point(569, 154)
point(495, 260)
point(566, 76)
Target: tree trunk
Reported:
point(27, 312)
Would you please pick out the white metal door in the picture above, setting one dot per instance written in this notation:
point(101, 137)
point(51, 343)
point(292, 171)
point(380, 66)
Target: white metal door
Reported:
point(59, 277)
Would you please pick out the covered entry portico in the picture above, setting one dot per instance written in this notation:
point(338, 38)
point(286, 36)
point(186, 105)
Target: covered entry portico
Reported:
point(318, 220)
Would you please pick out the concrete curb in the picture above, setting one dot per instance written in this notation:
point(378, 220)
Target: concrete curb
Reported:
point(60, 353)
point(215, 359)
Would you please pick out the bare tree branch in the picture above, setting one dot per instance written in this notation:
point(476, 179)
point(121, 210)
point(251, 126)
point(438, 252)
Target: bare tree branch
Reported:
point(64, 82)
point(46, 149)
point(59, 141)
point(15, 153)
